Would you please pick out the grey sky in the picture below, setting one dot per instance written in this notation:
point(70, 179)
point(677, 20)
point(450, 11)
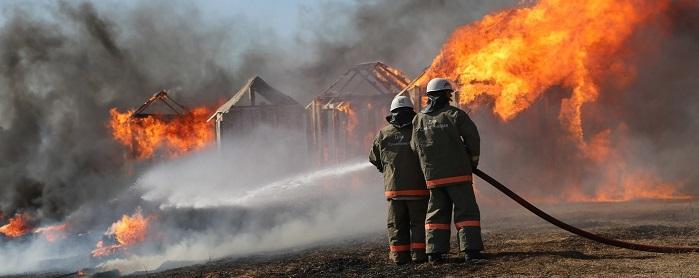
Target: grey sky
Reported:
point(281, 16)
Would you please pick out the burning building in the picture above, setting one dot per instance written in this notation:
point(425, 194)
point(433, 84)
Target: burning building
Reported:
point(343, 119)
point(161, 125)
point(255, 104)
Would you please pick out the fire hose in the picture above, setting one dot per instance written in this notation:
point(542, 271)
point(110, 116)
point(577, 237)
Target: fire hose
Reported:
point(577, 231)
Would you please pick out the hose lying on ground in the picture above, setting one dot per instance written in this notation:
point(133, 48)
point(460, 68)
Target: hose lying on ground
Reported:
point(574, 230)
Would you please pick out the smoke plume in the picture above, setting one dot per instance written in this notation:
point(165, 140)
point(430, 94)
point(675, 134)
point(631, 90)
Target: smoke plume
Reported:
point(61, 72)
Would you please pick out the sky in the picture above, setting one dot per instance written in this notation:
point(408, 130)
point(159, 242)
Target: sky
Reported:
point(280, 16)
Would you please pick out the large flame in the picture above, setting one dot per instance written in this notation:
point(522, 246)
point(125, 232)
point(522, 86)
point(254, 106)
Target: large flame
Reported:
point(513, 57)
point(174, 136)
point(17, 226)
point(128, 231)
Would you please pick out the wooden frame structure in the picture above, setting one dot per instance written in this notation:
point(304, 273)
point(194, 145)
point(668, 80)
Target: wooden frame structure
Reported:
point(256, 103)
point(344, 118)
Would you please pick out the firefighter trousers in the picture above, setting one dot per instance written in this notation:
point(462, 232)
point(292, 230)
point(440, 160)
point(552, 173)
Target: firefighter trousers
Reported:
point(460, 200)
point(406, 230)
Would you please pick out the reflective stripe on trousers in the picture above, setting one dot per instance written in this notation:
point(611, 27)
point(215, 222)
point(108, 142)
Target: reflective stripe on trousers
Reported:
point(458, 225)
point(397, 193)
point(406, 247)
point(445, 181)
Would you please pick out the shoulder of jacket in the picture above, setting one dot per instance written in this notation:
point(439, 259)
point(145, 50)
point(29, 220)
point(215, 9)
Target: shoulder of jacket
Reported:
point(456, 112)
point(387, 130)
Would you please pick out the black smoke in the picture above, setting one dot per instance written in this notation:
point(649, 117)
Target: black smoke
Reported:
point(60, 75)
point(63, 69)
point(405, 34)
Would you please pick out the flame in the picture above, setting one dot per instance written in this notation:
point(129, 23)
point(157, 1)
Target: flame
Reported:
point(52, 233)
point(17, 226)
point(640, 186)
point(628, 187)
point(102, 250)
point(346, 107)
point(514, 56)
point(620, 181)
point(128, 231)
point(176, 136)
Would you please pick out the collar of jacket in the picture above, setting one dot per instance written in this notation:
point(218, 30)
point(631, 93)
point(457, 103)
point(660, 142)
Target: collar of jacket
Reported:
point(440, 110)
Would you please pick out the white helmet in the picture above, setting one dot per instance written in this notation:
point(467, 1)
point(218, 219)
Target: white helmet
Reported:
point(400, 102)
point(438, 84)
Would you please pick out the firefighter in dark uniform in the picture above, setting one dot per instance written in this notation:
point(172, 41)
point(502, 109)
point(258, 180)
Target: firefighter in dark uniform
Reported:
point(448, 146)
point(404, 184)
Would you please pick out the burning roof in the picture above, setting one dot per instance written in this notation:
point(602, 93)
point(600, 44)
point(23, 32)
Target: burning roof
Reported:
point(159, 104)
point(161, 123)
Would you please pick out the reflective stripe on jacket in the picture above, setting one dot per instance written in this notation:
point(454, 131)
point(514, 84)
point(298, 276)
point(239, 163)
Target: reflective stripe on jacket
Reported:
point(401, 169)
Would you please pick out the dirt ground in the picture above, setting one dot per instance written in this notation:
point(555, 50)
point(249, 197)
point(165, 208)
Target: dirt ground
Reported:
point(518, 245)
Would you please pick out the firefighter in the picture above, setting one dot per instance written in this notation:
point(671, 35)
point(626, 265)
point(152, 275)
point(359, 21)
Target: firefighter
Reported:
point(404, 184)
point(448, 146)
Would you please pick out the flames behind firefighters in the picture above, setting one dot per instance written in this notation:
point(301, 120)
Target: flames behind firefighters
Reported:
point(513, 57)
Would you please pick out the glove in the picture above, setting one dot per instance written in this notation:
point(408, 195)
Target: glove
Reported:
point(474, 161)
point(379, 167)
point(377, 164)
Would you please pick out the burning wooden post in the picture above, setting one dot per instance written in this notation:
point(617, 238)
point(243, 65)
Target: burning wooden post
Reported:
point(343, 119)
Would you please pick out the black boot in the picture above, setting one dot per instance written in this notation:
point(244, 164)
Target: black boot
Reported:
point(475, 257)
point(419, 256)
point(400, 258)
point(436, 258)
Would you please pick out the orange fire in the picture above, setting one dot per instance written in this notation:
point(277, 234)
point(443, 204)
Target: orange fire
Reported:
point(128, 231)
point(149, 134)
point(635, 186)
point(622, 182)
point(346, 108)
point(513, 57)
point(17, 226)
point(53, 232)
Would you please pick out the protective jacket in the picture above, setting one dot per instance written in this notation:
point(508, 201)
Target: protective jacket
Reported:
point(446, 142)
point(392, 155)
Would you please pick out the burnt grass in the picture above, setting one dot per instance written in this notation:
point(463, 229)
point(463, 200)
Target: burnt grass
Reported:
point(526, 247)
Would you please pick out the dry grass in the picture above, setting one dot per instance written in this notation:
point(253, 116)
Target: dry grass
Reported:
point(518, 244)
